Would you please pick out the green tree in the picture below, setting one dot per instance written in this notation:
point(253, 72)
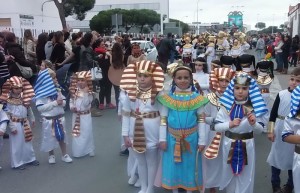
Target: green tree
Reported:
point(268, 30)
point(184, 26)
point(73, 7)
point(130, 18)
point(260, 25)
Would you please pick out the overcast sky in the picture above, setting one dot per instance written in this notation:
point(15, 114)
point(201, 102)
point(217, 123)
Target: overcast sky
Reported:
point(271, 12)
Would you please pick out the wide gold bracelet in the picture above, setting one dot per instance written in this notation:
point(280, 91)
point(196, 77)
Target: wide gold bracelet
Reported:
point(163, 121)
point(200, 118)
point(271, 126)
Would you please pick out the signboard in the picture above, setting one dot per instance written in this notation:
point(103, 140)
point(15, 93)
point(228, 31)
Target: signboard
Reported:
point(235, 19)
point(116, 19)
point(26, 21)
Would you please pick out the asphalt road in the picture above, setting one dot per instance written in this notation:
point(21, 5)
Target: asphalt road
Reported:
point(106, 172)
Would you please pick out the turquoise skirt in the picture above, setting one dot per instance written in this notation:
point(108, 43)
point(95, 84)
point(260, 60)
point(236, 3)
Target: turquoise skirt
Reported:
point(182, 174)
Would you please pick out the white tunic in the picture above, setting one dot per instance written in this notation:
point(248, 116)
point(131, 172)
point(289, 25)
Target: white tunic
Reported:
point(279, 148)
point(212, 167)
point(203, 80)
point(21, 152)
point(244, 182)
point(151, 126)
point(84, 143)
point(3, 124)
point(293, 126)
point(50, 108)
point(211, 55)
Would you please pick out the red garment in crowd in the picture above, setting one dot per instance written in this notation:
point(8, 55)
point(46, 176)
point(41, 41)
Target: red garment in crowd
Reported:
point(100, 50)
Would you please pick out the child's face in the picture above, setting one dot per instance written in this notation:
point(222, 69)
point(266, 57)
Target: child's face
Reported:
point(198, 66)
point(17, 90)
point(182, 79)
point(81, 83)
point(294, 82)
point(241, 92)
point(223, 83)
point(43, 66)
point(144, 81)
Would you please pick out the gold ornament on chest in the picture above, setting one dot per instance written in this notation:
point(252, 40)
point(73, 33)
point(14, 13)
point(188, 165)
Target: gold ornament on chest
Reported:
point(144, 96)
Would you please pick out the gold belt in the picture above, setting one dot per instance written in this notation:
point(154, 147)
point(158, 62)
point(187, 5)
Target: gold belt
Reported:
point(148, 115)
point(53, 117)
point(264, 90)
point(26, 126)
point(17, 119)
point(297, 149)
point(82, 112)
point(280, 117)
point(238, 136)
point(181, 145)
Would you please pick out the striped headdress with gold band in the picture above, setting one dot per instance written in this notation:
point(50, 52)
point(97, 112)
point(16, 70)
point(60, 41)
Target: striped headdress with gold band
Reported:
point(86, 75)
point(129, 78)
point(18, 82)
point(219, 73)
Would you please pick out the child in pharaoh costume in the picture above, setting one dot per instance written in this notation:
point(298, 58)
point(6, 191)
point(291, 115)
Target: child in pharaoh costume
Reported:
point(219, 80)
point(280, 149)
point(246, 63)
point(50, 103)
point(81, 90)
point(240, 114)
point(18, 93)
point(210, 51)
point(222, 45)
point(291, 134)
point(187, 50)
point(182, 133)
point(140, 84)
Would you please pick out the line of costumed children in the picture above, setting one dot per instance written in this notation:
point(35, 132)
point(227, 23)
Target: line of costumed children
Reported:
point(17, 115)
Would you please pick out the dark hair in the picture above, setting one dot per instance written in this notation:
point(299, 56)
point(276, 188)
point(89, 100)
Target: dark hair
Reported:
point(50, 36)
point(74, 37)
point(87, 39)
point(57, 36)
point(28, 35)
point(201, 59)
point(117, 56)
point(2, 35)
point(96, 43)
point(296, 71)
point(216, 62)
point(66, 35)
point(10, 37)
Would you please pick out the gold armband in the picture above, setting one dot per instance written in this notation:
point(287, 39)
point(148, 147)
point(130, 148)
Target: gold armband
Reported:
point(271, 126)
point(125, 113)
point(200, 118)
point(163, 121)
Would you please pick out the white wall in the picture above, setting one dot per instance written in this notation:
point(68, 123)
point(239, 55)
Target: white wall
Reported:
point(46, 20)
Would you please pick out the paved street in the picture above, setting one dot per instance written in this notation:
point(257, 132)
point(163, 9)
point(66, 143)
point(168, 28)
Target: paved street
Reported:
point(106, 172)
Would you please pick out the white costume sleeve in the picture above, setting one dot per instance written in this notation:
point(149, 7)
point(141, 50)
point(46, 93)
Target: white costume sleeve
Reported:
point(30, 114)
point(201, 129)
point(125, 110)
point(71, 103)
point(221, 122)
point(207, 110)
point(163, 128)
point(42, 107)
point(3, 126)
point(87, 99)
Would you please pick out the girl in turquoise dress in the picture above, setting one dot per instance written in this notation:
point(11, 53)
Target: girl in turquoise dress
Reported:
point(182, 133)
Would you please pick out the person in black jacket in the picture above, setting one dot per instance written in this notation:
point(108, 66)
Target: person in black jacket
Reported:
point(15, 49)
point(295, 48)
point(286, 52)
point(164, 48)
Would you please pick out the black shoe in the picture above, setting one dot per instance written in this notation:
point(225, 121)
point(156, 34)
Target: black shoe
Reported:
point(5, 136)
point(287, 189)
point(34, 163)
point(124, 153)
point(21, 167)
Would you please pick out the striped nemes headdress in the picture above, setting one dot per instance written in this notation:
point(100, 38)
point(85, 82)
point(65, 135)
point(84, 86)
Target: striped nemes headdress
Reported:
point(86, 75)
point(18, 82)
point(295, 102)
point(217, 74)
point(129, 78)
point(45, 86)
point(255, 97)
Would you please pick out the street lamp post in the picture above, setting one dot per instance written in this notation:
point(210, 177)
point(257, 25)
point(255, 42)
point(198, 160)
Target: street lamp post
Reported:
point(197, 16)
point(272, 22)
point(42, 8)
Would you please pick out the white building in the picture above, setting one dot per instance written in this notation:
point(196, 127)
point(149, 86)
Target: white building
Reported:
point(38, 15)
point(160, 6)
point(294, 20)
